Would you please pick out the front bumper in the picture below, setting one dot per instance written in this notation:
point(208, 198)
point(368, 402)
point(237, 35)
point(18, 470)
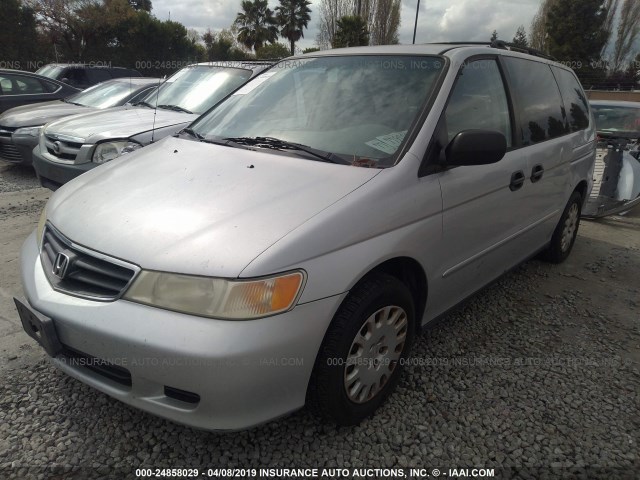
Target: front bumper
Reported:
point(17, 149)
point(53, 175)
point(244, 372)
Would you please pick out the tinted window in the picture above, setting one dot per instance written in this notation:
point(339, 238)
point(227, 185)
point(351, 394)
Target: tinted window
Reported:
point(50, 87)
point(479, 101)
point(575, 101)
point(538, 100)
point(19, 85)
point(98, 75)
point(75, 76)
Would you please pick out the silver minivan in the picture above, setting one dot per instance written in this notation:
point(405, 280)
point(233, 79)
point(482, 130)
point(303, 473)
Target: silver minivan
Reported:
point(289, 245)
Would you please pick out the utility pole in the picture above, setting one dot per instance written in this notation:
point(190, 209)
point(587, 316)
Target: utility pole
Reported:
point(415, 26)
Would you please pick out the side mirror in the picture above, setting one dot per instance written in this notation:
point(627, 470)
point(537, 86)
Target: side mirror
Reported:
point(476, 147)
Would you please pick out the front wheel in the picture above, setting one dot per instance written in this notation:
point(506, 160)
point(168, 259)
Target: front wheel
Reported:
point(361, 357)
point(566, 231)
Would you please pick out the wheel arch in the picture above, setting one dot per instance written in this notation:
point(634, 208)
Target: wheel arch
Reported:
point(581, 188)
point(410, 272)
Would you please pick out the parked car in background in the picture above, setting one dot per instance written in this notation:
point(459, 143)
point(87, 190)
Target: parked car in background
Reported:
point(84, 76)
point(24, 88)
point(73, 145)
point(289, 245)
point(616, 186)
point(20, 127)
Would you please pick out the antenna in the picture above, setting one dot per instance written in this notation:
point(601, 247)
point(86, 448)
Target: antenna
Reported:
point(155, 112)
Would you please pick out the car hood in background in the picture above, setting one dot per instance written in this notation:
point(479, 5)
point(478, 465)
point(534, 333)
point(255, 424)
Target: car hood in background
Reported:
point(40, 113)
point(119, 122)
point(195, 208)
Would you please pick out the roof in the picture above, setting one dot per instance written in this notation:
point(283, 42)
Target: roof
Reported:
point(22, 72)
point(136, 80)
point(246, 64)
point(82, 65)
point(443, 48)
point(614, 103)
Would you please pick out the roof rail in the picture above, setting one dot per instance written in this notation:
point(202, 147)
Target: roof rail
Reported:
point(502, 45)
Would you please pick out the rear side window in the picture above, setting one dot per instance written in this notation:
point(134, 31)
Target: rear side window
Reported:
point(538, 101)
point(20, 85)
point(479, 101)
point(575, 101)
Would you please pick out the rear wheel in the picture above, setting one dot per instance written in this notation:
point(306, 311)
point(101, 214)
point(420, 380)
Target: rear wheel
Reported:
point(566, 231)
point(360, 360)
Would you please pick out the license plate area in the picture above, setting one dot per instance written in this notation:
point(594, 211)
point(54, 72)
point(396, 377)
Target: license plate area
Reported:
point(39, 327)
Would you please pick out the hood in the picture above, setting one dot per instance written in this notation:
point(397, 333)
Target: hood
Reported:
point(119, 122)
point(40, 113)
point(195, 208)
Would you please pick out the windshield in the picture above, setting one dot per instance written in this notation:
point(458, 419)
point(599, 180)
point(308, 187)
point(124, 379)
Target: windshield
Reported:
point(617, 119)
point(196, 89)
point(49, 71)
point(103, 95)
point(357, 107)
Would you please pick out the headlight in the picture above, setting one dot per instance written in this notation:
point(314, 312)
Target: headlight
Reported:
point(40, 228)
point(29, 131)
point(217, 297)
point(109, 150)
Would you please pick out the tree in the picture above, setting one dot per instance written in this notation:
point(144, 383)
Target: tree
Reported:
point(293, 17)
point(628, 31)
point(520, 39)
point(538, 37)
point(386, 22)
point(18, 34)
point(256, 23)
point(352, 32)
point(576, 30)
point(310, 50)
point(273, 51)
point(612, 8)
point(331, 11)
point(494, 36)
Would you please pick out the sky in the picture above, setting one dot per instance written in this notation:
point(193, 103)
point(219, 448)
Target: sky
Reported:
point(438, 20)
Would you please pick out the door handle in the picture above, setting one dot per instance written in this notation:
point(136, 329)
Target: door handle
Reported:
point(517, 180)
point(536, 173)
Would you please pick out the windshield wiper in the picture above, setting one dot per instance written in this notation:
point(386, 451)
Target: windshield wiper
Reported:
point(193, 133)
point(175, 108)
point(278, 144)
point(144, 104)
point(73, 103)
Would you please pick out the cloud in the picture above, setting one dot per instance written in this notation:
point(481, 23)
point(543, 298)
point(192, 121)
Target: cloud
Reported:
point(465, 20)
point(438, 20)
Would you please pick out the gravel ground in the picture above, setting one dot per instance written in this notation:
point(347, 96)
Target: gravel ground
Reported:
point(539, 371)
point(17, 177)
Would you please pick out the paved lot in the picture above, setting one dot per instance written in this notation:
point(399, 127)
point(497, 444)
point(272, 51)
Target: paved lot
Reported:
point(541, 369)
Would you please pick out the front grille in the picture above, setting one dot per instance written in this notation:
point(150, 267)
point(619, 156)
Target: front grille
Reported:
point(62, 149)
point(76, 271)
point(6, 131)
point(10, 152)
point(115, 373)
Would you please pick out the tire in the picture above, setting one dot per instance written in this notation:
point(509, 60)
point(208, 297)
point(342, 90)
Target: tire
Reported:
point(376, 315)
point(564, 236)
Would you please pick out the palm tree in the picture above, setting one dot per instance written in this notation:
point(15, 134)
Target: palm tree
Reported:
point(293, 17)
point(256, 23)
